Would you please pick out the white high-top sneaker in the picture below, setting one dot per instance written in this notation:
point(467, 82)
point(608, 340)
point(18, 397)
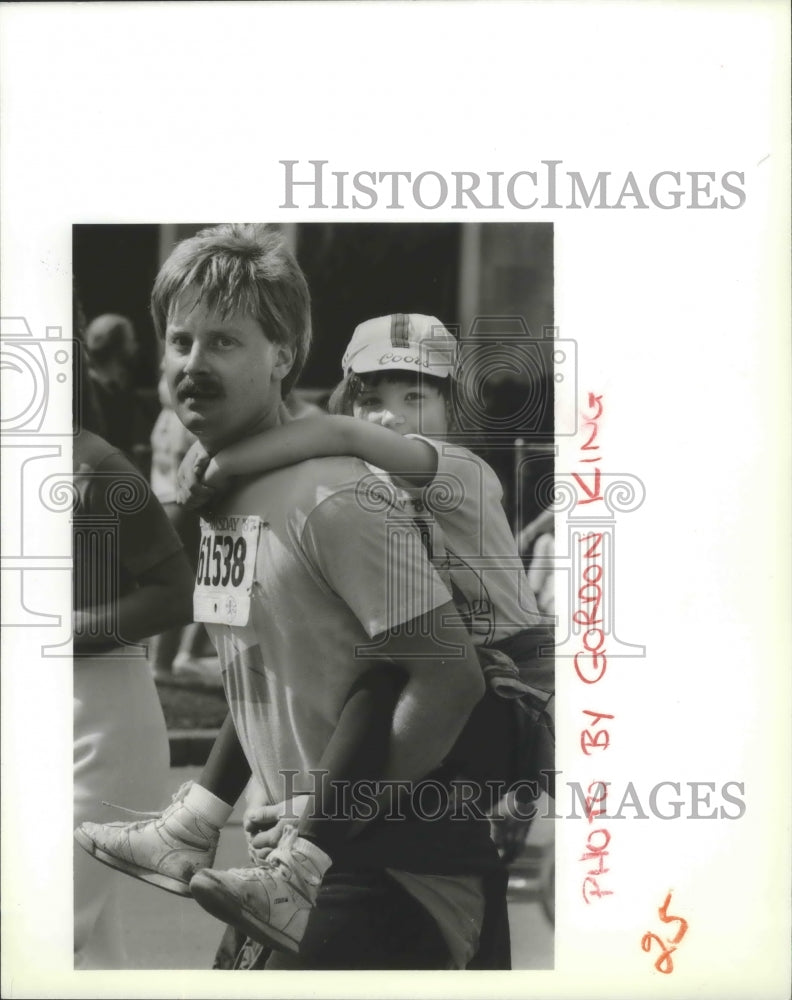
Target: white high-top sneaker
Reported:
point(166, 850)
point(270, 902)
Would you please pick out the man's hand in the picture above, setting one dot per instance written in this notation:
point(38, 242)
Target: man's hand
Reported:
point(264, 825)
point(198, 478)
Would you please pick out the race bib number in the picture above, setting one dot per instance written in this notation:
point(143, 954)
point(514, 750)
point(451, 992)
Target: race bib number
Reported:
point(226, 564)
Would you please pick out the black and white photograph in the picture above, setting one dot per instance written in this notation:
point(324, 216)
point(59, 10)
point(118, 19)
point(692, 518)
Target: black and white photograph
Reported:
point(395, 439)
point(160, 456)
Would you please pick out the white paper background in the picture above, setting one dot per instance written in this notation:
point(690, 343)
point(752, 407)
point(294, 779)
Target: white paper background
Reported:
point(181, 112)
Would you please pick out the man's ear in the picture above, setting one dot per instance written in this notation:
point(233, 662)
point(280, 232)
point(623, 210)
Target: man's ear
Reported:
point(284, 361)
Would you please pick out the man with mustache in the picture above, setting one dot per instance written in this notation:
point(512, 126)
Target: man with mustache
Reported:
point(304, 585)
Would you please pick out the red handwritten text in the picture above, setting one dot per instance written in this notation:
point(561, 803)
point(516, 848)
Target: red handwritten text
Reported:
point(591, 661)
point(664, 962)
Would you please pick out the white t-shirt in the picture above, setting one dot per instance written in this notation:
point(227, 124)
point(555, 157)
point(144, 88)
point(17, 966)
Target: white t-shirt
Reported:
point(474, 546)
point(335, 567)
point(330, 575)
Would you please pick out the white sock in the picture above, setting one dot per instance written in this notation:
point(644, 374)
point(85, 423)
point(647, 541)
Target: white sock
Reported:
point(314, 853)
point(213, 809)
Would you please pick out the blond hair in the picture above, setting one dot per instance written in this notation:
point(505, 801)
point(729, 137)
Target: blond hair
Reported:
point(245, 268)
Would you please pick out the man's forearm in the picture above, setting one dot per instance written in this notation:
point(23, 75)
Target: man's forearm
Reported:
point(133, 617)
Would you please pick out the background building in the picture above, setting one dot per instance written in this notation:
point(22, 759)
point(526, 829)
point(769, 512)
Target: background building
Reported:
point(491, 283)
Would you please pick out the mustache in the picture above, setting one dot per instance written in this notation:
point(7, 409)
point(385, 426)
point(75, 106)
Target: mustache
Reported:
point(190, 386)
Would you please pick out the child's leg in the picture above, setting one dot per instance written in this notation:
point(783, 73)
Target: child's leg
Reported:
point(226, 771)
point(271, 902)
point(168, 849)
point(357, 751)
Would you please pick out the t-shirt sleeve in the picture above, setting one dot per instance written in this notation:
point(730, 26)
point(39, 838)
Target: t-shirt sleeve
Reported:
point(146, 536)
point(374, 560)
point(462, 479)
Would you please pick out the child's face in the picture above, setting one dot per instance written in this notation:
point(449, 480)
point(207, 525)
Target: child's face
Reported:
point(404, 406)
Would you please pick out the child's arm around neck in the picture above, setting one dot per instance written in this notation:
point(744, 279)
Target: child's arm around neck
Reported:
point(408, 459)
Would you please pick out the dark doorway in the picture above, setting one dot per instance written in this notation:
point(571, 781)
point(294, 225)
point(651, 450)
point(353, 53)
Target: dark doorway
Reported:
point(357, 271)
point(114, 270)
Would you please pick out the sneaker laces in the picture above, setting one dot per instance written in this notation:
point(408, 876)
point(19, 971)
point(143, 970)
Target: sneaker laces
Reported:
point(177, 797)
point(285, 843)
point(280, 858)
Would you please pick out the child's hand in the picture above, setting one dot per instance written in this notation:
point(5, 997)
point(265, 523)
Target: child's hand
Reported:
point(265, 825)
point(191, 488)
point(214, 478)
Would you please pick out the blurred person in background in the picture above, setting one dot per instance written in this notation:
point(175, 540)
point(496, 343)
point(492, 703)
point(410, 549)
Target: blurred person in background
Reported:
point(131, 579)
point(111, 345)
point(536, 543)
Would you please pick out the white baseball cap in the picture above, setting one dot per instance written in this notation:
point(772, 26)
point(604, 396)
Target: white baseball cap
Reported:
point(407, 341)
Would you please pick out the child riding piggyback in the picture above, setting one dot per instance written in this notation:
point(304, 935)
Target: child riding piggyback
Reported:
point(394, 409)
